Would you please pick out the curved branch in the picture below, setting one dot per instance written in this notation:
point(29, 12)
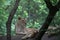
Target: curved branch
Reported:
point(8, 23)
point(52, 12)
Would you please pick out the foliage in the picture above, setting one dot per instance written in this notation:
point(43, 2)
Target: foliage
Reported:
point(35, 12)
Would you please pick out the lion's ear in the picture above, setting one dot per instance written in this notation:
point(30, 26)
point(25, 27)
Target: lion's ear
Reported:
point(19, 18)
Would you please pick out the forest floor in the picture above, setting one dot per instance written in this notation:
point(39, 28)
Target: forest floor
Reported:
point(45, 37)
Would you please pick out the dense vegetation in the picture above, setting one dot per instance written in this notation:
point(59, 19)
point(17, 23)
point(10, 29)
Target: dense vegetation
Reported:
point(35, 12)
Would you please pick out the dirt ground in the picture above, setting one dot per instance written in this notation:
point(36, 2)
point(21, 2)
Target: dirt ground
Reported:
point(45, 37)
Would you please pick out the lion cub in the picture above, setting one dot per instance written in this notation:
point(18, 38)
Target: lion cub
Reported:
point(20, 27)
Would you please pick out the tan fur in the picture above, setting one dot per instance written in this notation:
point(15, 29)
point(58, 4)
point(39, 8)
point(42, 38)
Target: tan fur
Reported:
point(30, 33)
point(21, 29)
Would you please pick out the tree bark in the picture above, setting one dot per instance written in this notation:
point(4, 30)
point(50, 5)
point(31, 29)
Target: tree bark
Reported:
point(8, 23)
point(52, 12)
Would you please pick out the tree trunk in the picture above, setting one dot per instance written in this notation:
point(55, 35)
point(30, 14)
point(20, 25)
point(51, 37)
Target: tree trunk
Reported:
point(8, 23)
point(52, 12)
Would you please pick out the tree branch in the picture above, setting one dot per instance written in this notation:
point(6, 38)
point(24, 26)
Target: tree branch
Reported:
point(52, 12)
point(48, 3)
point(8, 23)
point(58, 5)
point(44, 27)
